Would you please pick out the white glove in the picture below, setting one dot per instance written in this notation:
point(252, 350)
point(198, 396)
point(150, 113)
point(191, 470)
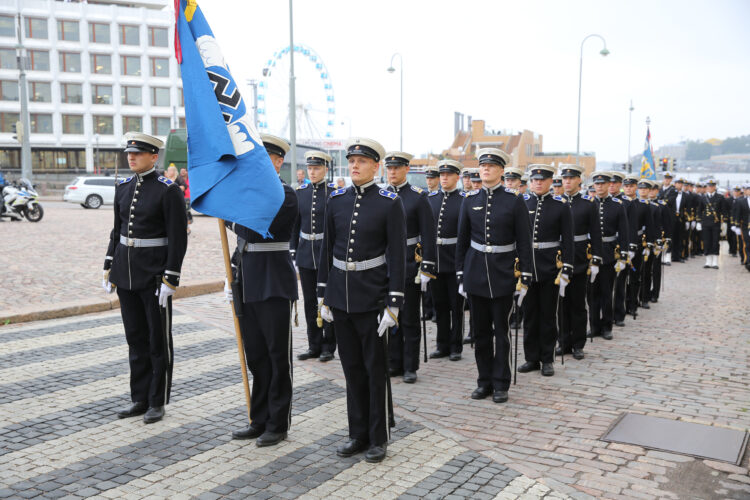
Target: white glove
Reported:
point(461, 291)
point(687, 225)
point(736, 230)
point(109, 287)
point(388, 320)
point(423, 280)
point(164, 292)
point(692, 224)
point(723, 228)
point(646, 252)
point(631, 254)
point(325, 312)
point(619, 266)
point(594, 272)
point(522, 294)
point(564, 281)
point(657, 251)
point(698, 227)
point(228, 292)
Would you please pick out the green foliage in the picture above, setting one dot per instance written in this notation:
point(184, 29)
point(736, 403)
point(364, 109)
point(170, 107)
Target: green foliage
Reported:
point(698, 150)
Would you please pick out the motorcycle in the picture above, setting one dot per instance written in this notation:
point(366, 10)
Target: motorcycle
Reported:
point(20, 200)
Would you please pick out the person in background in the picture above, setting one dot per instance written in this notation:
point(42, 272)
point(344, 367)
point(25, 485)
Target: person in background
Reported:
point(340, 183)
point(186, 181)
point(432, 177)
point(301, 180)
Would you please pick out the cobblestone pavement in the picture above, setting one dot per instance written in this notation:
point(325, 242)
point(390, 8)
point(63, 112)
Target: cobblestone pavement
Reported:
point(686, 358)
point(60, 258)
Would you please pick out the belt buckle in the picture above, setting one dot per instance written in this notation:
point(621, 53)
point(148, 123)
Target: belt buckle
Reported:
point(131, 242)
point(536, 245)
point(488, 249)
point(351, 266)
point(440, 241)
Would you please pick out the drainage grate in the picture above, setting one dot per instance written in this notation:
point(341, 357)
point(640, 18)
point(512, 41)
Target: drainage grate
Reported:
point(686, 438)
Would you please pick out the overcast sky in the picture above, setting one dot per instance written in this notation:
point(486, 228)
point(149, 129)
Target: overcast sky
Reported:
point(684, 63)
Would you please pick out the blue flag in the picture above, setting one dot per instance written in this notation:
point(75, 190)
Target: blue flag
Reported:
point(648, 169)
point(231, 175)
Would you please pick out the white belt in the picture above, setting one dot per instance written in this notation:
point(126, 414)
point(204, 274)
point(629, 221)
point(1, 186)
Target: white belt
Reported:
point(413, 241)
point(143, 242)
point(546, 244)
point(362, 265)
point(493, 248)
point(609, 239)
point(311, 236)
point(581, 237)
point(446, 241)
point(276, 246)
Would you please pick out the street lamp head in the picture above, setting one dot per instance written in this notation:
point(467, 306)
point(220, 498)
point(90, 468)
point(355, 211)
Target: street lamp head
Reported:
point(604, 52)
point(391, 69)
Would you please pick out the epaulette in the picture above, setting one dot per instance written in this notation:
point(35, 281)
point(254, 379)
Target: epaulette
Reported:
point(331, 184)
point(642, 200)
point(587, 197)
point(624, 197)
point(164, 180)
point(526, 196)
point(388, 194)
point(338, 192)
point(472, 192)
point(661, 202)
point(127, 179)
point(433, 193)
point(463, 193)
point(417, 189)
point(303, 186)
point(617, 200)
point(511, 191)
point(559, 198)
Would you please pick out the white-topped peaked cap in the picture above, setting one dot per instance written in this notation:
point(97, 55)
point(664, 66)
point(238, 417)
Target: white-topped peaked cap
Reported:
point(314, 157)
point(137, 142)
point(275, 145)
point(364, 147)
point(493, 155)
point(450, 166)
point(396, 158)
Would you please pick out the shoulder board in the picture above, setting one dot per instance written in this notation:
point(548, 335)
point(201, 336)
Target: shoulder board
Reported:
point(302, 186)
point(126, 180)
point(463, 193)
point(331, 185)
point(472, 192)
point(338, 192)
point(559, 198)
point(617, 200)
point(526, 196)
point(587, 197)
point(388, 194)
point(642, 200)
point(662, 202)
point(164, 180)
point(417, 189)
point(624, 197)
point(433, 193)
point(511, 191)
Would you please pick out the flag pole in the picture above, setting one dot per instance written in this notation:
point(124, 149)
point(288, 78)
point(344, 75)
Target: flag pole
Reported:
point(237, 333)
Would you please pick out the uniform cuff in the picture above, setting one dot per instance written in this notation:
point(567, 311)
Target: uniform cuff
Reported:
point(395, 299)
point(171, 279)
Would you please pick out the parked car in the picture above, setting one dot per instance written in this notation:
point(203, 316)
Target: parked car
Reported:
point(91, 192)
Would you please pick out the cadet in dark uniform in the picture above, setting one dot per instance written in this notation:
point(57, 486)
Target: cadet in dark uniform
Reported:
point(512, 178)
point(682, 224)
point(588, 258)
point(144, 258)
point(476, 179)
point(624, 190)
point(557, 185)
point(554, 252)
point(642, 237)
point(269, 287)
point(493, 229)
point(524, 184)
point(708, 218)
point(613, 224)
point(664, 222)
point(449, 305)
point(361, 276)
point(668, 194)
point(403, 344)
point(729, 217)
point(307, 238)
point(432, 177)
point(648, 240)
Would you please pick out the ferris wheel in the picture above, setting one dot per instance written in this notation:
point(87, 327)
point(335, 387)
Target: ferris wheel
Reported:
point(315, 105)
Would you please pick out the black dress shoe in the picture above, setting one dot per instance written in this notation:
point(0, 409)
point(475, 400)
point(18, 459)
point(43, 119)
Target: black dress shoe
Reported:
point(410, 377)
point(248, 432)
point(325, 356)
point(428, 317)
point(455, 356)
point(559, 351)
point(133, 410)
point(548, 369)
point(607, 335)
point(438, 354)
point(619, 323)
point(376, 453)
point(308, 354)
point(353, 447)
point(577, 353)
point(468, 340)
point(500, 396)
point(645, 305)
point(591, 335)
point(528, 366)
point(394, 372)
point(481, 393)
point(269, 438)
point(154, 414)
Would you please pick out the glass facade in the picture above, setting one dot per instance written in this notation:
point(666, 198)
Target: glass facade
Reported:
point(8, 26)
point(103, 125)
point(8, 59)
point(101, 94)
point(72, 124)
point(39, 60)
point(129, 35)
point(70, 62)
point(131, 96)
point(8, 121)
point(158, 37)
point(99, 33)
point(160, 126)
point(8, 90)
point(159, 66)
point(132, 124)
point(36, 28)
point(159, 96)
point(41, 123)
point(130, 65)
point(68, 31)
point(58, 159)
point(40, 92)
point(71, 93)
point(101, 64)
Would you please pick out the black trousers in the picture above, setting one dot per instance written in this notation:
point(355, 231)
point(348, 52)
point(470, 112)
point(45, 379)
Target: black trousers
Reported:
point(318, 339)
point(656, 277)
point(148, 331)
point(743, 246)
point(573, 317)
point(267, 334)
point(678, 240)
point(634, 287)
point(697, 248)
point(711, 234)
point(363, 358)
point(540, 321)
point(731, 240)
point(491, 318)
point(648, 271)
point(600, 299)
point(404, 341)
point(449, 313)
point(427, 305)
point(620, 297)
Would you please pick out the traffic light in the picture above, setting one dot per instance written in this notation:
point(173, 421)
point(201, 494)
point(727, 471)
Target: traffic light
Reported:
point(664, 163)
point(18, 132)
point(674, 165)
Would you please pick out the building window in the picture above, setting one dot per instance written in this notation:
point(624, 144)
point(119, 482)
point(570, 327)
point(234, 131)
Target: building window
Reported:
point(70, 62)
point(101, 94)
point(158, 37)
point(40, 92)
point(39, 60)
point(159, 66)
point(132, 124)
point(536, 148)
point(528, 150)
point(36, 28)
point(8, 122)
point(7, 26)
point(68, 31)
point(101, 64)
point(8, 59)
point(181, 97)
point(8, 90)
point(181, 121)
point(159, 96)
point(131, 96)
point(160, 126)
point(71, 93)
point(104, 125)
point(72, 124)
point(98, 33)
point(41, 123)
point(129, 35)
point(55, 160)
point(130, 65)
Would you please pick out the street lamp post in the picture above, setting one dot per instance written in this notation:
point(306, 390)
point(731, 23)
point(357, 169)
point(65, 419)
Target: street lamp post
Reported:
point(24, 98)
point(292, 100)
point(391, 69)
point(97, 168)
point(603, 52)
point(630, 123)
